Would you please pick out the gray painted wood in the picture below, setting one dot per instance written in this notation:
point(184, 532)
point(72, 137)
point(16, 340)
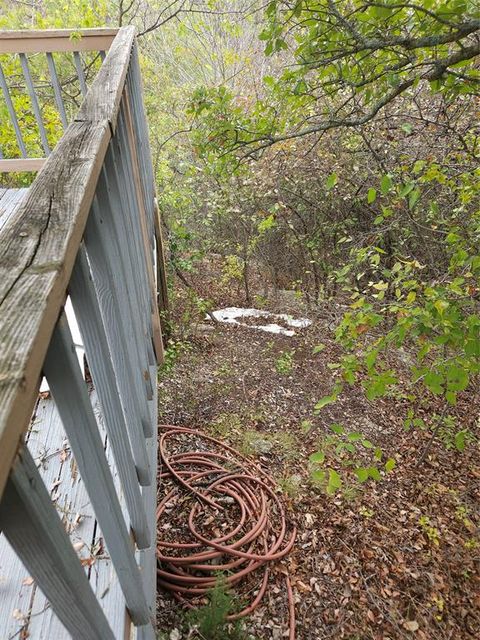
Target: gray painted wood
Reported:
point(33, 528)
point(17, 588)
point(50, 449)
point(80, 74)
point(33, 97)
point(12, 114)
point(111, 217)
point(97, 244)
point(119, 187)
point(10, 200)
point(33, 615)
point(148, 558)
point(38, 247)
point(71, 397)
point(125, 162)
point(104, 578)
point(57, 89)
point(87, 311)
point(134, 83)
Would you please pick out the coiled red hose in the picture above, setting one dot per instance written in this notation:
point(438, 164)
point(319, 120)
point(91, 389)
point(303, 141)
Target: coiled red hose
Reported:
point(231, 520)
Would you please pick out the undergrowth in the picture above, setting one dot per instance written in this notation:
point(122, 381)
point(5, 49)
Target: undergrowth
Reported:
point(210, 621)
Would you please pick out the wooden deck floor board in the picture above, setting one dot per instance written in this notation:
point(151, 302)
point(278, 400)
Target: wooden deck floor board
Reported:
point(23, 607)
point(9, 201)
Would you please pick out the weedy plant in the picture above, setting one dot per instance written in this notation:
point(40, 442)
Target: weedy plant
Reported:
point(284, 363)
point(337, 461)
point(210, 621)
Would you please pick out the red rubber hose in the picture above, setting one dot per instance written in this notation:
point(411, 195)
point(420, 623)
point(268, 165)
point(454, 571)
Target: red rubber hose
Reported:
point(231, 520)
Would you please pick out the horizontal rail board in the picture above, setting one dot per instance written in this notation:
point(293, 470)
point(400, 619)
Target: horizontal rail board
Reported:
point(52, 40)
point(19, 165)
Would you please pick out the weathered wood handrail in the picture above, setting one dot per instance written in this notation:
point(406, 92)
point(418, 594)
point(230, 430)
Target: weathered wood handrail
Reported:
point(87, 227)
point(54, 40)
point(19, 45)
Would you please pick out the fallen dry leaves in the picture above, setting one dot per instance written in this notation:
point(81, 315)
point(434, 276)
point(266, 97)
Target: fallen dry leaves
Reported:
point(391, 560)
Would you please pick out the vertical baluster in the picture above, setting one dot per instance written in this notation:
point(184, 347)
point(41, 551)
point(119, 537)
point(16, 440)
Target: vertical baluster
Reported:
point(13, 115)
point(147, 558)
point(126, 227)
point(102, 55)
point(87, 311)
point(127, 279)
point(139, 223)
point(33, 528)
point(106, 259)
point(126, 170)
point(73, 403)
point(81, 76)
point(35, 104)
point(134, 85)
point(57, 89)
point(120, 173)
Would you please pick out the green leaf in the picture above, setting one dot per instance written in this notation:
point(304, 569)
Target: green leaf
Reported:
point(267, 223)
point(337, 428)
point(354, 436)
point(385, 184)
point(390, 465)
point(319, 475)
point(367, 444)
point(318, 457)
point(323, 402)
point(362, 474)
point(331, 181)
point(405, 190)
point(371, 195)
point(457, 379)
point(451, 397)
point(413, 198)
point(318, 348)
point(334, 481)
point(460, 440)
point(434, 381)
point(374, 473)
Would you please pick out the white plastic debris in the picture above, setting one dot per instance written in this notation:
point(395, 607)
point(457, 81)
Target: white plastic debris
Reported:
point(231, 315)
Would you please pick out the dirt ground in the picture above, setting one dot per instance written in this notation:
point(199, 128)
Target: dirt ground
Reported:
point(389, 559)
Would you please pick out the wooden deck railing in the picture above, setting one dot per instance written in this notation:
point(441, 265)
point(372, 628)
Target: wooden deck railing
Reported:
point(88, 227)
point(31, 82)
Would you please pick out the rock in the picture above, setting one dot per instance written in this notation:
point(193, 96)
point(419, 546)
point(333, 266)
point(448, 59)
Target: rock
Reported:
point(205, 328)
point(259, 445)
